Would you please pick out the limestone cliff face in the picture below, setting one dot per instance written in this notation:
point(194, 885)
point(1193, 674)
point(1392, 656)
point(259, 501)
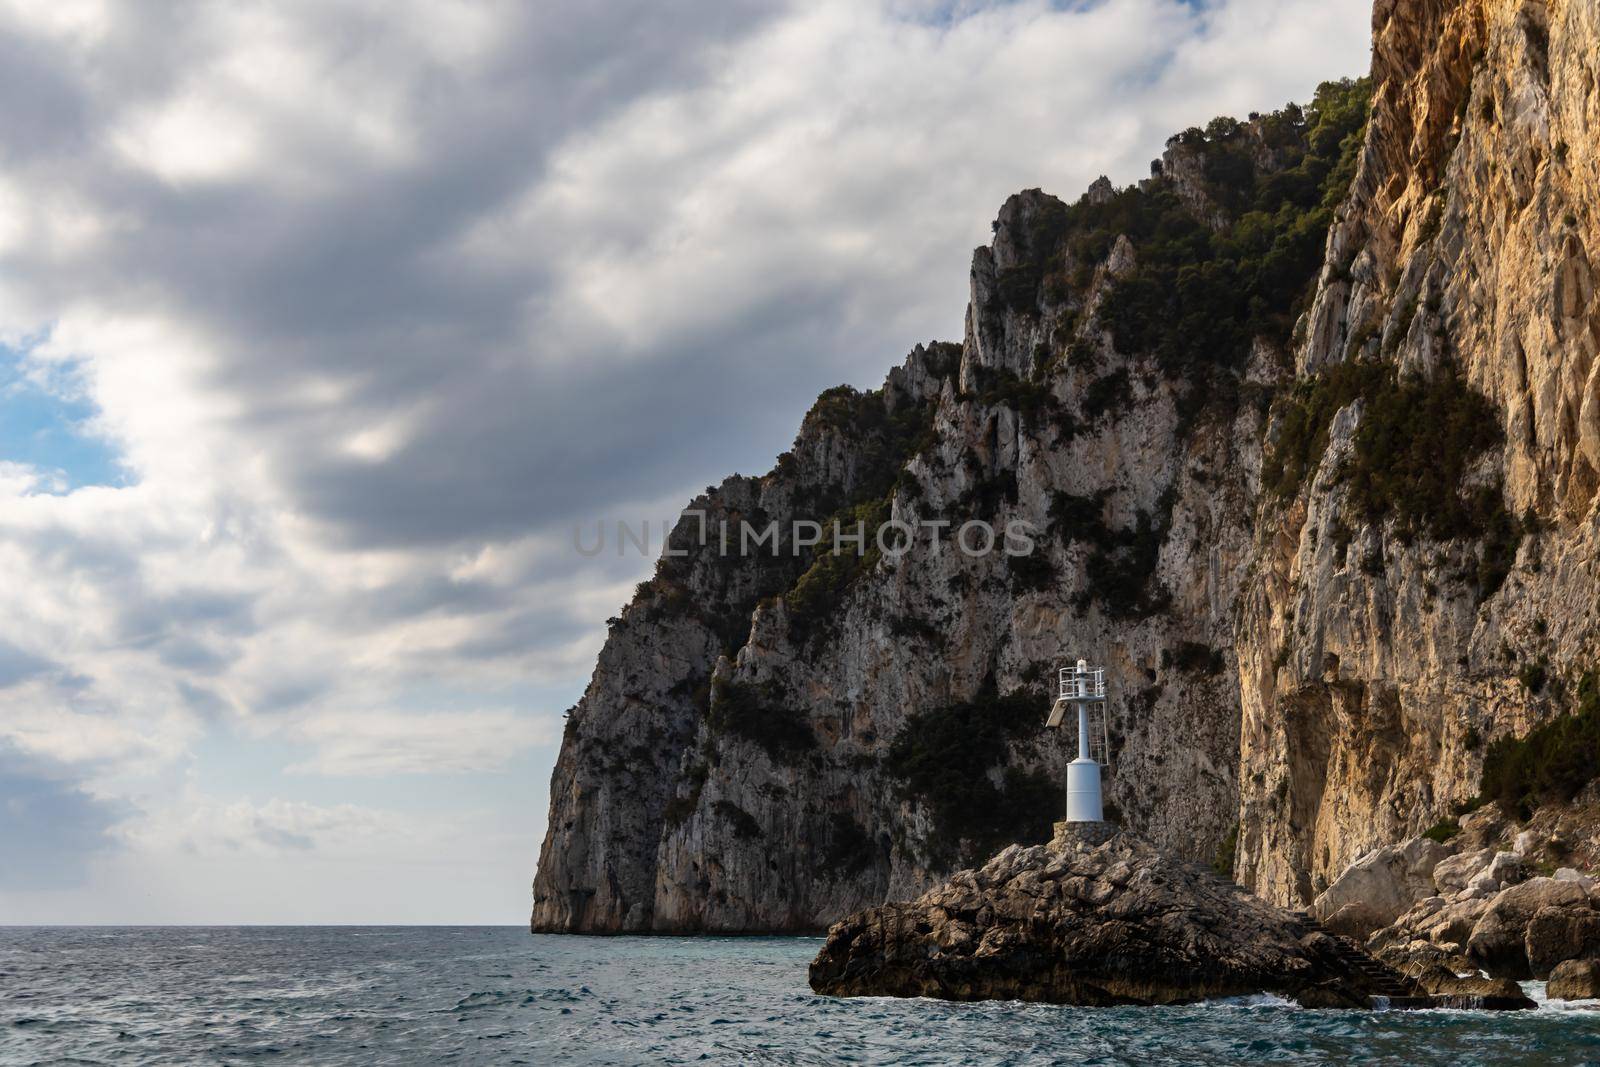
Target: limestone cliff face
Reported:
point(1313, 650)
point(674, 808)
point(1375, 666)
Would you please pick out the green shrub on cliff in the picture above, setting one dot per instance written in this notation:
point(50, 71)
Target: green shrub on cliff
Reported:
point(816, 596)
point(1198, 294)
point(1305, 417)
point(946, 759)
point(1552, 762)
point(1443, 830)
point(1417, 441)
point(1413, 447)
point(758, 713)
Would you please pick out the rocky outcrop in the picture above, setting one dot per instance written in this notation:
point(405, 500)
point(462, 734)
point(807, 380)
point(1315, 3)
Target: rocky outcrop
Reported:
point(1478, 910)
point(1560, 933)
point(1574, 980)
point(1077, 923)
point(1469, 991)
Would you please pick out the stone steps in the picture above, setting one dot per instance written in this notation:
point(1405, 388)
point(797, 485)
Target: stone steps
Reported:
point(1388, 984)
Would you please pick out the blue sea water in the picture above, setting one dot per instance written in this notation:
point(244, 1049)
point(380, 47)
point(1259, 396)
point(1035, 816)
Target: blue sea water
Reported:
point(489, 995)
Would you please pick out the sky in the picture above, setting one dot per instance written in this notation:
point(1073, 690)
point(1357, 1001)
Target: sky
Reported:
point(323, 324)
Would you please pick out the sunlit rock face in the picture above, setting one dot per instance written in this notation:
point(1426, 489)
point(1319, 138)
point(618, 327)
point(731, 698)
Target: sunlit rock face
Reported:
point(1375, 668)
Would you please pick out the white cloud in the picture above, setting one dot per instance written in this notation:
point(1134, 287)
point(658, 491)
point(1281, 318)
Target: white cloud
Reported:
point(214, 827)
point(382, 742)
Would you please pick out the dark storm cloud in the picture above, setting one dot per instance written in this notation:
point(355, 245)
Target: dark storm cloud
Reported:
point(357, 281)
point(18, 665)
point(42, 112)
point(49, 827)
point(519, 447)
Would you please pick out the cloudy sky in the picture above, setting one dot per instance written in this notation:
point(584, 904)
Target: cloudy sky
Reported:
point(321, 324)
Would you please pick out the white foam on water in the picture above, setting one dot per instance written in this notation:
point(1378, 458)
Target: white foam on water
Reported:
point(1536, 993)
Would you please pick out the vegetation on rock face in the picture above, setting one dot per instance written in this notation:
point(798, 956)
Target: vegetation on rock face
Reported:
point(1196, 297)
point(849, 849)
point(727, 594)
point(1079, 518)
point(1552, 763)
point(1033, 573)
point(946, 758)
point(1109, 394)
point(679, 808)
point(1227, 853)
point(1200, 288)
point(1443, 830)
point(1122, 562)
point(757, 713)
point(1199, 293)
point(816, 595)
point(1305, 418)
point(1415, 445)
point(1120, 576)
point(998, 386)
point(884, 442)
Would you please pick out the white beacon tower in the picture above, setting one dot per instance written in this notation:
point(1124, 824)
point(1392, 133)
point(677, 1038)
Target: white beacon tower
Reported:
point(1084, 689)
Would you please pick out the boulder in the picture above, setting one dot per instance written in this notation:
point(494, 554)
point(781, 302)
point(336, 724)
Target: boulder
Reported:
point(1484, 884)
point(1413, 957)
point(1568, 874)
point(1498, 942)
point(1574, 980)
point(1446, 924)
point(1075, 922)
point(1379, 887)
point(1558, 934)
point(1506, 868)
point(1484, 824)
point(1453, 873)
point(1354, 920)
point(1452, 990)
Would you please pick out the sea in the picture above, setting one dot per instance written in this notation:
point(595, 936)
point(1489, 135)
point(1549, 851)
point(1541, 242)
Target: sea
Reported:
point(493, 995)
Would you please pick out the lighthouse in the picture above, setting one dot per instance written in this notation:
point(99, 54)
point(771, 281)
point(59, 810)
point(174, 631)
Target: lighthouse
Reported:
point(1083, 690)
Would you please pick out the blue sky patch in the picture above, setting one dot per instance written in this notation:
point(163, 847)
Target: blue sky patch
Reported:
point(44, 424)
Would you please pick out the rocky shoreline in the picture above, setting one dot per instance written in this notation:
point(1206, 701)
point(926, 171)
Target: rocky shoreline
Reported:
point(1104, 918)
point(1490, 897)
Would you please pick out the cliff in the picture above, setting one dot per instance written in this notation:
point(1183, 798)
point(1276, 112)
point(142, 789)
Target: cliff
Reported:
point(1308, 424)
point(1396, 622)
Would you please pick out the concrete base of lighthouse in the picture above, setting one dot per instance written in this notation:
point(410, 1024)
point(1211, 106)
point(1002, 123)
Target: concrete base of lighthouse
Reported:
point(1082, 834)
point(1083, 791)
